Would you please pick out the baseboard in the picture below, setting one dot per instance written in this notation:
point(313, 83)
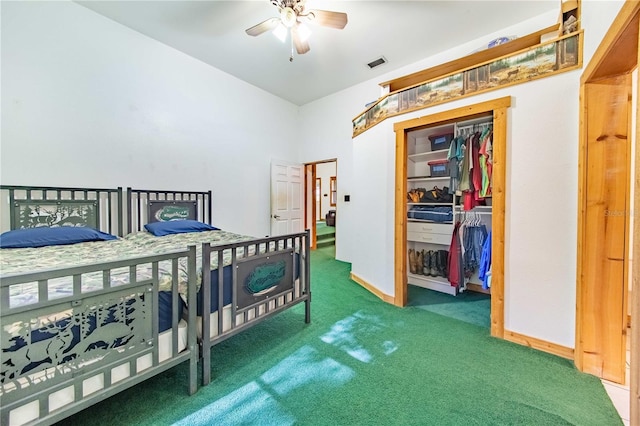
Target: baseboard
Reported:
point(372, 289)
point(541, 345)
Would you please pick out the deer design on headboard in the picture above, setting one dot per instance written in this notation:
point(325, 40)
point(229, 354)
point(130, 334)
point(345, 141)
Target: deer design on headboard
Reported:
point(32, 214)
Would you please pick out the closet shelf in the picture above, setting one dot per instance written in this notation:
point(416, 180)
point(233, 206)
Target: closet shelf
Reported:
point(422, 156)
point(476, 210)
point(432, 283)
point(429, 204)
point(427, 178)
point(427, 221)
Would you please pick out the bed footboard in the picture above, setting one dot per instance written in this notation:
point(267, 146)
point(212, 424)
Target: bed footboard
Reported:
point(266, 276)
point(68, 351)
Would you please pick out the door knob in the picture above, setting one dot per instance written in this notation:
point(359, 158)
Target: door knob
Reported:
point(275, 216)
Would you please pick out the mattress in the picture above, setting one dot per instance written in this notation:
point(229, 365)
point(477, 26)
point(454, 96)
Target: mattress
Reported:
point(23, 260)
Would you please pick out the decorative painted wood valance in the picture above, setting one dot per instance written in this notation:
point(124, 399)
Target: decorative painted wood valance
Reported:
point(542, 60)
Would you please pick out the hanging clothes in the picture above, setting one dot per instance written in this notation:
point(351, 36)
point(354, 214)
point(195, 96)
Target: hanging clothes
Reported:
point(476, 171)
point(470, 173)
point(484, 270)
point(465, 184)
point(486, 162)
point(474, 238)
point(454, 261)
point(455, 156)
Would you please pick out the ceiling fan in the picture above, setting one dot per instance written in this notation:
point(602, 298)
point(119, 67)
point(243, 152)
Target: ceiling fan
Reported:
point(291, 20)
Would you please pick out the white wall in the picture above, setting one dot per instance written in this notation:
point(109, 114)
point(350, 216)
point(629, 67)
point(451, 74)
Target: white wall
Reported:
point(89, 102)
point(541, 181)
point(324, 171)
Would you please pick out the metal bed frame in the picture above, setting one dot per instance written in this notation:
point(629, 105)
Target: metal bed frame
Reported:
point(63, 354)
point(282, 262)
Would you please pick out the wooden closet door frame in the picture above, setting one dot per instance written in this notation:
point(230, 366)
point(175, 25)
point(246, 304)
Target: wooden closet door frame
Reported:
point(498, 108)
point(612, 64)
point(601, 321)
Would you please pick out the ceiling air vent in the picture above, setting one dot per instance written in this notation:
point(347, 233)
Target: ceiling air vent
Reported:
point(377, 62)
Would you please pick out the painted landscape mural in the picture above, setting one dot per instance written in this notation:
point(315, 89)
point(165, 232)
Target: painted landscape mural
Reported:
point(541, 61)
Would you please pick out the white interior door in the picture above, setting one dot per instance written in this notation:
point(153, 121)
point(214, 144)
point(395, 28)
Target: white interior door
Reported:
point(286, 198)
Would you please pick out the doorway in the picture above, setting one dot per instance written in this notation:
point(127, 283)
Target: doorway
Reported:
point(321, 200)
point(606, 200)
point(497, 110)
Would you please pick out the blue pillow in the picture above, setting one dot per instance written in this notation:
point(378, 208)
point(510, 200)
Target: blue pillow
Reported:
point(160, 229)
point(45, 236)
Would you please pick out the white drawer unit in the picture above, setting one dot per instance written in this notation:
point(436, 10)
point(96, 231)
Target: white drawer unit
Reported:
point(432, 228)
point(426, 237)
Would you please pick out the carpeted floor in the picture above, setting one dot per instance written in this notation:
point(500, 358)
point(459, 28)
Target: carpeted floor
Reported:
point(474, 308)
point(364, 362)
point(323, 229)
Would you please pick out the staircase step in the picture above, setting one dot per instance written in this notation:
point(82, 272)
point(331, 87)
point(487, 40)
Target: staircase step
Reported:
point(326, 236)
point(325, 242)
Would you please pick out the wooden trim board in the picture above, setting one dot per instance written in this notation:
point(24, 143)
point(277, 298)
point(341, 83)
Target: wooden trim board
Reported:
point(605, 117)
point(372, 289)
point(539, 344)
point(634, 386)
point(468, 61)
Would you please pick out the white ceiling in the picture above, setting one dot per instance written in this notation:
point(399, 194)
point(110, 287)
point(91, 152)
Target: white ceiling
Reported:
point(402, 31)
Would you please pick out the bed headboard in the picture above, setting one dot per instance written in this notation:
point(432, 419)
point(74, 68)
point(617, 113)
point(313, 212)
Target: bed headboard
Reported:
point(147, 206)
point(38, 206)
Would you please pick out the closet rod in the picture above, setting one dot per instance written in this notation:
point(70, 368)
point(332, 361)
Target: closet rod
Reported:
point(473, 127)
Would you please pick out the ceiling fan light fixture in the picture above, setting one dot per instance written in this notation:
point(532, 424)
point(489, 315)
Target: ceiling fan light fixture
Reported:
point(303, 32)
point(291, 13)
point(288, 17)
point(280, 32)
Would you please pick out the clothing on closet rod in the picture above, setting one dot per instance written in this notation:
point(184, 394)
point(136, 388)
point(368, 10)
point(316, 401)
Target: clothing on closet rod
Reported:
point(486, 162)
point(474, 235)
point(454, 260)
point(455, 157)
point(484, 271)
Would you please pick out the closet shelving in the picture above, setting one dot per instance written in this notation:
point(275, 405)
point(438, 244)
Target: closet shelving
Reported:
point(426, 235)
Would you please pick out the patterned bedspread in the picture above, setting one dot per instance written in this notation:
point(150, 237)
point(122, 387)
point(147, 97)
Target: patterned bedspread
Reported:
point(23, 260)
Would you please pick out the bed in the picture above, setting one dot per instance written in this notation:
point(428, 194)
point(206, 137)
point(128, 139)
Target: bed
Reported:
point(81, 322)
point(261, 277)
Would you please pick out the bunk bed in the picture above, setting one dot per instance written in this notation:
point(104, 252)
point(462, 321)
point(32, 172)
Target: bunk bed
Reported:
point(260, 277)
point(81, 322)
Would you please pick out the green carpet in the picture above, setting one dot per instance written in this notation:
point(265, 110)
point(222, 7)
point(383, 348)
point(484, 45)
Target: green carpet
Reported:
point(323, 229)
point(474, 308)
point(325, 235)
point(364, 362)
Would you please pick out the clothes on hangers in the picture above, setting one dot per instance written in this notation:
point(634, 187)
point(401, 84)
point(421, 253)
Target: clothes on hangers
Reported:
point(474, 237)
point(471, 173)
point(454, 261)
point(486, 162)
point(455, 156)
point(476, 171)
point(465, 167)
point(484, 270)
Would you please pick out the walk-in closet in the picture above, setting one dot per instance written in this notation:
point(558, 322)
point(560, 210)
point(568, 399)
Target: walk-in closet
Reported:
point(450, 171)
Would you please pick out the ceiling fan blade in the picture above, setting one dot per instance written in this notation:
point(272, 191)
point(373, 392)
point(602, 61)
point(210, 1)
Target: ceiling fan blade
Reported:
point(302, 47)
point(263, 27)
point(328, 18)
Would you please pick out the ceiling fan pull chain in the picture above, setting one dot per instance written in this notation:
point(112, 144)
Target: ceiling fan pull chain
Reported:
point(291, 56)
